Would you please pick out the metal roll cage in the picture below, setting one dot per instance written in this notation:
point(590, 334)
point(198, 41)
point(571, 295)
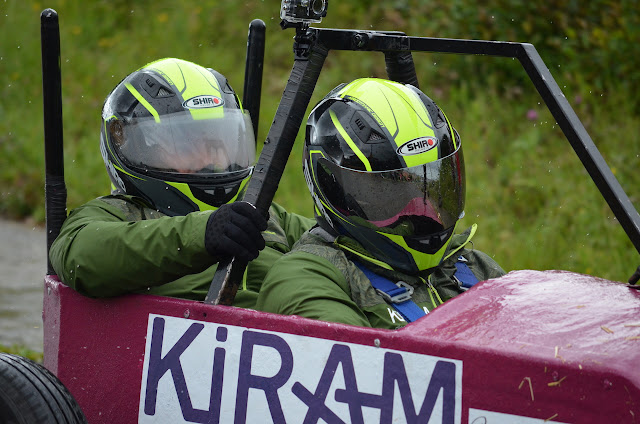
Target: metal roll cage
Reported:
point(311, 47)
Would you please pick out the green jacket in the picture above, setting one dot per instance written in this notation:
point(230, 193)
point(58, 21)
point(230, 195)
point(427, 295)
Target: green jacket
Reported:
point(115, 245)
point(318, 280)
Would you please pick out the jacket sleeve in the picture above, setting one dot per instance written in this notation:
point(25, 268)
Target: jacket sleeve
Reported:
point(100, 252)
point(292, 224)
point(307, 285)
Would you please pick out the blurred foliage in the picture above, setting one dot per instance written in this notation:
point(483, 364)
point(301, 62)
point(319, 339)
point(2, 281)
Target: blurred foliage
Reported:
point(587, 44)
point(535, 205)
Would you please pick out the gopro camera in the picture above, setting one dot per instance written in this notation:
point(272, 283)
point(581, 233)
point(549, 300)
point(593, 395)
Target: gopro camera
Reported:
point(303, 11)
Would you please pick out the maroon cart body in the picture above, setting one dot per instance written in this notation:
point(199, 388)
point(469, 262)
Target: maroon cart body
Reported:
point(529, 347)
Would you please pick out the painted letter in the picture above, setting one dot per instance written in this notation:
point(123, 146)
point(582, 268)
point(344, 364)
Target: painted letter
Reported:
point(442, 379)
point(269, 385)
point(158, 366)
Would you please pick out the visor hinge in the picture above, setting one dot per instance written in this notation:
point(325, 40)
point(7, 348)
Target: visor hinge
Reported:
point(399, 295)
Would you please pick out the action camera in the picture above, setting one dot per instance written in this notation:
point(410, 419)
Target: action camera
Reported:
point(303, 11)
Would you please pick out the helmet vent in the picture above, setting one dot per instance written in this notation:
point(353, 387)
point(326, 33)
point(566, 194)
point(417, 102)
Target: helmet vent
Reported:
point(440, 120)
point(374, 136)
point(163, 92)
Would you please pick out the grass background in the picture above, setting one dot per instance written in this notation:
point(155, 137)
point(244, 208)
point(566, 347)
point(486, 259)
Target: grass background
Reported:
point(535, 205)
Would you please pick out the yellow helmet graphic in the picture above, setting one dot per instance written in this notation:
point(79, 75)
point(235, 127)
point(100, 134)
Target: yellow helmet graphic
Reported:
point(175, 134)
point(385, 167)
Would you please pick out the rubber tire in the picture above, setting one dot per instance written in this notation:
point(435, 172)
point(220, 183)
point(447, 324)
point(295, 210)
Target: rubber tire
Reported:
point(30, 393)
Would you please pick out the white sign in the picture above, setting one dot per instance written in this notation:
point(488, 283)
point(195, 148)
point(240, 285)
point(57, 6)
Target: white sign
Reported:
point(478, 416)
point(199, 372)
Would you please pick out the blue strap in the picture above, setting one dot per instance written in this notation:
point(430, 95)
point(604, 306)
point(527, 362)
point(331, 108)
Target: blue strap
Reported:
point(464, 274)
point(399, 297)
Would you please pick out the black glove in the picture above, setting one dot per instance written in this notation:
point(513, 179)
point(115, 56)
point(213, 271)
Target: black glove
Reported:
point(234, 230)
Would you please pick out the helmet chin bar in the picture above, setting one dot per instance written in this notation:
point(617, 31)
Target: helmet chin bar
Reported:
point(394, 251)
point(432, 243)
point(215, 196)
point(163, 197)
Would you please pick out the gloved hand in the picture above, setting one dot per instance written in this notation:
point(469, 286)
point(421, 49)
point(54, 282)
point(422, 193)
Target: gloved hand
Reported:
point(234, 230)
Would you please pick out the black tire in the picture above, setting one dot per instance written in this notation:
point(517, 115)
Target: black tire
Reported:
point(30, 393)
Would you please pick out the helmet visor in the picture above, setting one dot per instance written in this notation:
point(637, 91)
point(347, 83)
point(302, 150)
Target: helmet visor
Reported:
point(419, 202)
point(178, 143)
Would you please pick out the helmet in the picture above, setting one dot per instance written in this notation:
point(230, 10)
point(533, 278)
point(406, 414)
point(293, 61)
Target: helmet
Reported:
point(385, 167)
point(175, 134)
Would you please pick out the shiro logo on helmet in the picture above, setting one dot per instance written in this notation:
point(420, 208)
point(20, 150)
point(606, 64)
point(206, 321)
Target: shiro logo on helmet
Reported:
point(417, 146)
point(202, 102)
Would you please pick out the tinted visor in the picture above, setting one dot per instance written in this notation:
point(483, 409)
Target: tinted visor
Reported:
point(421, 203)
point(180, 144)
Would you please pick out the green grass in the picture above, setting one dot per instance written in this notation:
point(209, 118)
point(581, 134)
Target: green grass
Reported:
point(22, 351)
point(535, 205)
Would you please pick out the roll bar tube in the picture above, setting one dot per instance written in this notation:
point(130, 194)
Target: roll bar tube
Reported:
point(55, 187)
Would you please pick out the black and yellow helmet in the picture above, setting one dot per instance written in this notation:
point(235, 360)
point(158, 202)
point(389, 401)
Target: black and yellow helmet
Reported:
point(175, 134)
point(385, 167)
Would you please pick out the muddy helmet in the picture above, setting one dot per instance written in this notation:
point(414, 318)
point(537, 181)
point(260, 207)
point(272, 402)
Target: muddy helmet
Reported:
point(174, 133)
point(385, 167)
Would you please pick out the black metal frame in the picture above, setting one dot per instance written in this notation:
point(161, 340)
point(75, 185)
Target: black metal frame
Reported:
point(252, 91)
point(311, 47)
point(55, 191)
point(543, 81)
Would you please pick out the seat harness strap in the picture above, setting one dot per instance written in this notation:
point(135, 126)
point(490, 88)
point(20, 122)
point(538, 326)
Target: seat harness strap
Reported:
point(397, 294)
point(464, 274)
